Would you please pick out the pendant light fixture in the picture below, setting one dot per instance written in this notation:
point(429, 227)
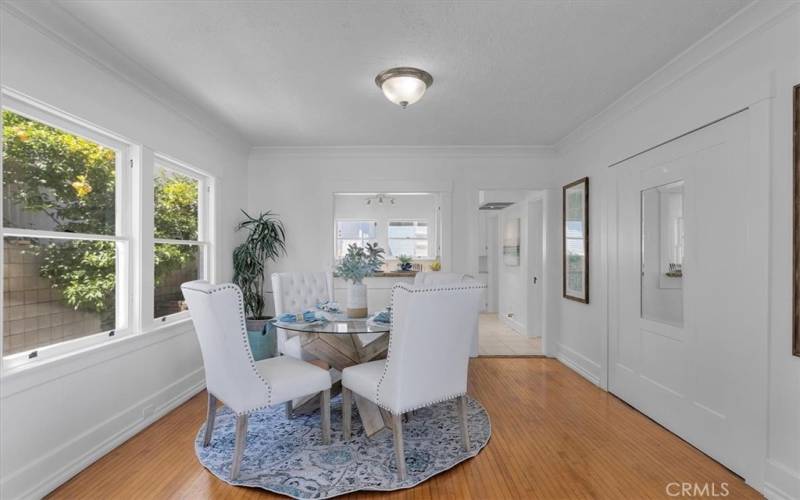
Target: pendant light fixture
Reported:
point(404, 85)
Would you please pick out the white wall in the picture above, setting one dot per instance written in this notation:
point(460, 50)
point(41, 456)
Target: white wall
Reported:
point(63, 414)
point(754, 60)
point(299, 184)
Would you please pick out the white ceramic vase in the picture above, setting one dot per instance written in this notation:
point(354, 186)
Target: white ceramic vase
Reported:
point(356, 300)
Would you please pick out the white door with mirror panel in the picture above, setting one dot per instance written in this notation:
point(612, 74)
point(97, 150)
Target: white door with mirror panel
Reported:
point(686, 347)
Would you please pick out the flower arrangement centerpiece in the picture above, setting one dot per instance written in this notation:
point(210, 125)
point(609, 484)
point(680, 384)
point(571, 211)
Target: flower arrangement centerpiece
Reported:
point(357, 264)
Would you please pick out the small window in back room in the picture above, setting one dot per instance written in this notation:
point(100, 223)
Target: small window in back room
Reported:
point(359, 232)
point(409, 237)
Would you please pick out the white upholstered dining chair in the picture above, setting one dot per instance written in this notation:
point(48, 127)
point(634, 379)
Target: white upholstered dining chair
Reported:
point(427, 360)
point(438, 278)
point(295, 293)
point(233, 376)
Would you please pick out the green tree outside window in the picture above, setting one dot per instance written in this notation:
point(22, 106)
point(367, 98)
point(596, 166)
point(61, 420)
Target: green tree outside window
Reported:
point(69, 182)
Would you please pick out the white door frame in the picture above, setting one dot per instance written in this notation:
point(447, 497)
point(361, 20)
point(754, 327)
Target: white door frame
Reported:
point(545, 281)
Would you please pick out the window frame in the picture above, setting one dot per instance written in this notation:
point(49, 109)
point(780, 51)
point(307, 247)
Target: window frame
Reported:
point(336, 256)
point(416, 222)
point(122, 237)
point(133, 237)
point(205, 195)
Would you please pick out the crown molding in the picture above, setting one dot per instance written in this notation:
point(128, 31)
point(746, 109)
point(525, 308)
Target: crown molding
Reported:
point(753, 18)
point(53, 21)
point(530, 152)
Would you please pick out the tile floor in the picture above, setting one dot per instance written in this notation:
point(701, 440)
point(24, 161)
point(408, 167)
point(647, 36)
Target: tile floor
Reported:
point(497, 339)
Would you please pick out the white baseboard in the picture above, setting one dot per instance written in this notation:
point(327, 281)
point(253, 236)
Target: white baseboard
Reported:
point(780, 482)
point(579, 363)
point(39, 478)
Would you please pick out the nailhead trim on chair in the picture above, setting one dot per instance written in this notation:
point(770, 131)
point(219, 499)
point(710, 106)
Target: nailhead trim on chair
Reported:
point(243, 325)
point(406, 288)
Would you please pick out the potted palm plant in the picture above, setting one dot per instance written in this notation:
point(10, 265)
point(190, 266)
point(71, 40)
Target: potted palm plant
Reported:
point(356, 265)
point(266, 240)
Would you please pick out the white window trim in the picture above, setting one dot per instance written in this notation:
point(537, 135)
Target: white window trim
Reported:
point(427, 238)
point(205, 222)
point(48, 115)
point(135, 163)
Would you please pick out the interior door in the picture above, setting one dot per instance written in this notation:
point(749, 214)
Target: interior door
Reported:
point(685, 345)
point(534, 269)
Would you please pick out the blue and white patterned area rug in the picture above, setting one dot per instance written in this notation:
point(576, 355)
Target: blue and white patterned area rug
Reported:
point(288, 457)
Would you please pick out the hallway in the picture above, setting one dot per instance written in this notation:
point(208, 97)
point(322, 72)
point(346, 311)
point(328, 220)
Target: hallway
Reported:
point(497, 339)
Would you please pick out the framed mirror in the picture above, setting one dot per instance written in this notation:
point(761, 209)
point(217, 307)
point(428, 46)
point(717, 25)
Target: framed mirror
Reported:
point(796, 253)
point(575, 258)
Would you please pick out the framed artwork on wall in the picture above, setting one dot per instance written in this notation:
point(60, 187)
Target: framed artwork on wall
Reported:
point(796, 252)
point(575, 226)
point(511, 243)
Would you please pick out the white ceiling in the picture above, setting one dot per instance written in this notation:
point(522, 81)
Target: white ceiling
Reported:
point(301, 73)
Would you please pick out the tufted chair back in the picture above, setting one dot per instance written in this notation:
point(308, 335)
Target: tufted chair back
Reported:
point(438, 278)
point(218, 315)
point(296, 292)
point(429, 345)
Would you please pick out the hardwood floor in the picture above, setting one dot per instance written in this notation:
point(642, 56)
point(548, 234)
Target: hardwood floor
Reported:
point(554, 436)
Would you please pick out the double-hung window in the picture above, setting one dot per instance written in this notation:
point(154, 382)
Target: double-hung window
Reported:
point(410, 238)
point(353, 231)
point(65, 233)
point(74, 245)
point(181, 234)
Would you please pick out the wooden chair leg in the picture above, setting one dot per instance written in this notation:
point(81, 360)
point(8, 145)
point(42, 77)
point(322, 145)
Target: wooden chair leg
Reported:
point(399, 452)
point(210, 416)
point(240, 443)
point(347, 412)
point(462, 417)
point(325, 413)
point(289, 410)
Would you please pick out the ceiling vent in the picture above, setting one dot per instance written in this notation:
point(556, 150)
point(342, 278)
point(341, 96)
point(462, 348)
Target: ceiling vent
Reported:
point(495, 205)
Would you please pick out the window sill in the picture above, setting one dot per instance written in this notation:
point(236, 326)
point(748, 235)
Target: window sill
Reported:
point(23, 377)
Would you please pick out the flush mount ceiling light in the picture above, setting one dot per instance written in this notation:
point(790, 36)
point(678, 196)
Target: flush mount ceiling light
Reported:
point(404, 86)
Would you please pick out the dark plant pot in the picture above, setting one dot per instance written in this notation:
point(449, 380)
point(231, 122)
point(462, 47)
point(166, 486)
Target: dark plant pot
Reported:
point(263, 342)
point(405, 267)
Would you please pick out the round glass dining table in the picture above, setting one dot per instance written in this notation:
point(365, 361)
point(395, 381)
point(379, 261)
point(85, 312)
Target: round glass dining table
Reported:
point(346, 342)
point(337, 327)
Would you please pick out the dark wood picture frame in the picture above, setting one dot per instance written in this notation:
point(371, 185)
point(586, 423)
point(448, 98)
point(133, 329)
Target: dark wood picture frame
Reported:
point(796, 224)
point(565, 293)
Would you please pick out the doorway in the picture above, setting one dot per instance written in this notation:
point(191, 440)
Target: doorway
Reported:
point(510, 257)
point(685, 346)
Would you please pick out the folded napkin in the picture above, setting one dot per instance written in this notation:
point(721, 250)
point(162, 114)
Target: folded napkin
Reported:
point(287, 318)
point(307, 316)
point(382, 317)
point(328, 306)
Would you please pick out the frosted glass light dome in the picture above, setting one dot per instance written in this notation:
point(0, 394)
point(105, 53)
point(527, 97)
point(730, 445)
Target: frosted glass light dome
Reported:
point(404, 86)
